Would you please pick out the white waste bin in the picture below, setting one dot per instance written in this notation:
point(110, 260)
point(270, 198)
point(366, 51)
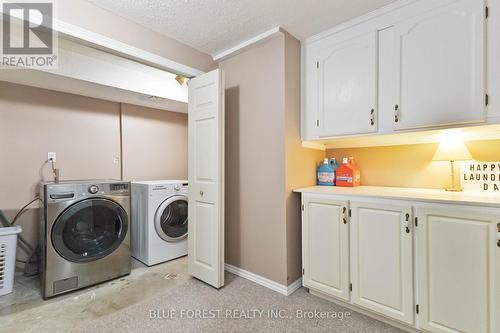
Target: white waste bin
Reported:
point(8, 244)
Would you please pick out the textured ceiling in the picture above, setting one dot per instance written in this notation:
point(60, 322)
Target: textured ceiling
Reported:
point(212, 26)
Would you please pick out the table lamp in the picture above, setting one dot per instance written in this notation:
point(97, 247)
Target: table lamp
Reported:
point(452, 150)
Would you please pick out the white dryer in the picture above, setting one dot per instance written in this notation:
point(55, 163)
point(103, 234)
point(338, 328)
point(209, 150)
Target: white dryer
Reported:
point(159, 220)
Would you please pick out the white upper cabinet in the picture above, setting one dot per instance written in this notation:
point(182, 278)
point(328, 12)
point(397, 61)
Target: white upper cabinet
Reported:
point(413, 65)
point(439, 66)
point(347, 87)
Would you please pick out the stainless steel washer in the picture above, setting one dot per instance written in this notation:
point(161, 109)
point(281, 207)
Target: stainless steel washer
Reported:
point(85, 237)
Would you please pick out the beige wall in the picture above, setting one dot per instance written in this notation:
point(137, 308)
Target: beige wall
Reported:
point(411, 165)
point(88, 16)
point(255, 182)
point(264, 160)
point(85, 134)
point(154, 144)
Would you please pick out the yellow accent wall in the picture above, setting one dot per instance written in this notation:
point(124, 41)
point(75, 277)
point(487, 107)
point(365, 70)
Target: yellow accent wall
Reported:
point(410, 165)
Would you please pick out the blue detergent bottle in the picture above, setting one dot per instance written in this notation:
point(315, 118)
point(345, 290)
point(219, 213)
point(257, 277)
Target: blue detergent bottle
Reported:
point(325, 174)
point(334, 164)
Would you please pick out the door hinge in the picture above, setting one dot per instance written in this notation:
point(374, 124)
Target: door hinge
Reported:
point(350, 286)
point(302, 271)
point(416, 221)
point(417, 309)
point(317, 64)
point(487, 12)
point(487, 99)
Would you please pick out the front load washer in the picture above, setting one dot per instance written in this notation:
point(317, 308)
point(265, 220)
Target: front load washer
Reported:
point(159, 220)
point(85, 236)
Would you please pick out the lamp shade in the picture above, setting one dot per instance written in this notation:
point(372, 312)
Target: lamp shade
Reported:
point(452, 150)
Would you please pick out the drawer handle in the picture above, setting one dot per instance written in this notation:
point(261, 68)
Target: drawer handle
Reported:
point(201, 193)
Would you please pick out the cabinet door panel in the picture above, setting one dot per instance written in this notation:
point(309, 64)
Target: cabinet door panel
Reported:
point(455, 270)
point(347, 77)
point(439, 66)
point(325, 247)
point(381, 259)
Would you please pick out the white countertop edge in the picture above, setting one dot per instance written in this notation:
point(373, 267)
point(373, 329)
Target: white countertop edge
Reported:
point(412, 194)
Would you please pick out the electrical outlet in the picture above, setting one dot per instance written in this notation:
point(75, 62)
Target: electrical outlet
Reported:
point(52, 156)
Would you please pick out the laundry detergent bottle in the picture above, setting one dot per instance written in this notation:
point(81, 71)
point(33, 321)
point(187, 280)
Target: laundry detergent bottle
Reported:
point(356, 170)
point(345, 174)
point(334, 164)
point(325, 174)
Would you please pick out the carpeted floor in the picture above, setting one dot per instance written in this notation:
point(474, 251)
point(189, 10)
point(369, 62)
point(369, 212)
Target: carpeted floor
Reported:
point(241, 306)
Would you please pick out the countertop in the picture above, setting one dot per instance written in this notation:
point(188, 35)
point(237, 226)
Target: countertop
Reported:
point(419, 194)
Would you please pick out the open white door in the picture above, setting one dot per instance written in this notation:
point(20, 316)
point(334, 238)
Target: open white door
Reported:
point(206, 178)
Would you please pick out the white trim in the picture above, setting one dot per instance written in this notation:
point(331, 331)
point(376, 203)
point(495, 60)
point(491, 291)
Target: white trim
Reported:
point(247, 44)
point(359, 20)
point(110, 45)
point(125, 50)
point(294, 286)
point(313, 145)
point(284, 290)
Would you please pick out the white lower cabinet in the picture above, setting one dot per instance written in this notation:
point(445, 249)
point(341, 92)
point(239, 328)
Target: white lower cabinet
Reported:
point(325, 246)
point(457, 252)
point(430, 266)
point(381, 259)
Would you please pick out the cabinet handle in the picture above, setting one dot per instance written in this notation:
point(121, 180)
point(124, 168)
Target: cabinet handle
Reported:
point(372, 117)
point(396, 113)
point(407, 223)
point(498, 234)
point(344, 209)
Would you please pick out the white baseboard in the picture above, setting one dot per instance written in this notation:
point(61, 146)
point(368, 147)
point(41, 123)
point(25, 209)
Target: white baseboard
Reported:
point(368, 313)
point(282, 289)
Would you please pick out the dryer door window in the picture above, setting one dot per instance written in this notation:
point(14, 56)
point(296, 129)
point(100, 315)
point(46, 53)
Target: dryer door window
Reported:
point(89, 230)
point(171, 220)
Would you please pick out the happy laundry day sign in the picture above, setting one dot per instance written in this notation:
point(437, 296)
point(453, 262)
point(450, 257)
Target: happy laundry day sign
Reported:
point(480, 176)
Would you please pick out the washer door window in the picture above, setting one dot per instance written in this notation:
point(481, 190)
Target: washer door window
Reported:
point(89, 230)
point(171, 220)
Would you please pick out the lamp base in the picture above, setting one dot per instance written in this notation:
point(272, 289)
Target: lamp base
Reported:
point(454, 189)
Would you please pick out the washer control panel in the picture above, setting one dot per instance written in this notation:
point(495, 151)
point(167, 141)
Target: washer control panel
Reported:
point(83, 189)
